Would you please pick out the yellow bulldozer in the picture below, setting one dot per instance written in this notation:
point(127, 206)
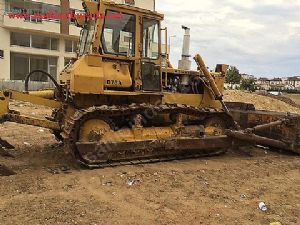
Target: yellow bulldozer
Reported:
point(121, 102)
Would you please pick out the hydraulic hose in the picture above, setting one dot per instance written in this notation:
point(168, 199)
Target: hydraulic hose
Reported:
point(46, 74)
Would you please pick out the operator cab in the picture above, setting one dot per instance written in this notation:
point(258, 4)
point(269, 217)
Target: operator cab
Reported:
point(127, 39)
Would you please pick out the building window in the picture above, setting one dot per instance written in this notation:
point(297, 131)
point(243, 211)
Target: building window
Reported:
point(52, 66)
point(71, 46)
point(38, 63)
point(20, 39)
point(1, 54)
point(40, 42)
point(22, 64)
point(33, 41)
point(51, 8)
point(19, 66)
point(54, 44)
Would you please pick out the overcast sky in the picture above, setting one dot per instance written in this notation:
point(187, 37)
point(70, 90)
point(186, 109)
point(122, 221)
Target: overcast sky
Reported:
point(259, 37)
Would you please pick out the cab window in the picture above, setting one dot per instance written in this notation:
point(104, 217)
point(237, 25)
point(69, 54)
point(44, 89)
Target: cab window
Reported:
point(118, 35)
point(150, 38)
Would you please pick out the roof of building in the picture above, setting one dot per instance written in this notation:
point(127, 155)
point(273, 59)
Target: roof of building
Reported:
point(263, 79)
point(276, 79)
point(295, 78)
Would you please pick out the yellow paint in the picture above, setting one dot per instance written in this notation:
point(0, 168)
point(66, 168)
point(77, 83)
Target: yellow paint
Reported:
point(187, 99)
point(4, 102)
point(48, 94)
point(116, 75)
point(87, 76)
point(101, 129)
point(34, 99)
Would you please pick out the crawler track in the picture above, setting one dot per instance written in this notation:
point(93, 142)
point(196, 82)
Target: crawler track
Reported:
point(126, 153)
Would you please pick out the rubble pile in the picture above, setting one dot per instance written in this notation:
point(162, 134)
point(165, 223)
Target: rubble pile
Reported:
point(260, 102)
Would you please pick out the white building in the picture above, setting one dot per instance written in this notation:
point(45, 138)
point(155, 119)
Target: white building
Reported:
point(294, 81)
point(247, 76)
point(29, 44)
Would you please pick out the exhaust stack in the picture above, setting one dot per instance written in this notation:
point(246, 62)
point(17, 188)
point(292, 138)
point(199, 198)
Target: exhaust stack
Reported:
point(185, 62)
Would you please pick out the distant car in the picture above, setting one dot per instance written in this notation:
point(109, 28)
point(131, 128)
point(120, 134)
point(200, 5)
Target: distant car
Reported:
point(277, 93)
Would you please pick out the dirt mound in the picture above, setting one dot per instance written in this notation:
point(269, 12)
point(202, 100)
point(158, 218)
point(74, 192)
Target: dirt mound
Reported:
point(260, 102)
point(285, 99)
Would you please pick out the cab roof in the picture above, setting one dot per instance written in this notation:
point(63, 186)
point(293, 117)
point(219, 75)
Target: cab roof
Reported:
point(135, 9)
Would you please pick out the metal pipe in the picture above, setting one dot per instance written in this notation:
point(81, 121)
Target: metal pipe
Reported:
point(33, 121)
point(267, 126)
point(202, 67)
point(185, 62)
point(258, 140)
point(47, 94)
point(166, 47)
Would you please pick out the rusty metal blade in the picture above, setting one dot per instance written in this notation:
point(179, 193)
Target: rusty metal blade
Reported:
point(97, 154)
point(264, 141)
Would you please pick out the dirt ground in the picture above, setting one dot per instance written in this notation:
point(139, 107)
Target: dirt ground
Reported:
point(294, 97)
point(50, 188)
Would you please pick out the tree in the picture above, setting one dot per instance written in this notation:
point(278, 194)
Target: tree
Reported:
point(233, 76)
point(248, 84)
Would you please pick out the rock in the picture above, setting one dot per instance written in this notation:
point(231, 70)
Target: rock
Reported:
point(133, 181)
point(243, 196)
point(4, 171)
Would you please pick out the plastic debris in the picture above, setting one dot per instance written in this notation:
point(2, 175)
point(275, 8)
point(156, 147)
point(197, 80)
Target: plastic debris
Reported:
point(262, 206)
point(108, 183)
point(27, 144)
point(132, 181)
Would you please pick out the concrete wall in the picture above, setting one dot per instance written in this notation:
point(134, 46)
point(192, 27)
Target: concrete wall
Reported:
point(52, 2)
point(76, 4)
point(45, 27)
point(4, 45)
point(19, 85)
point(143, 4)
point(5, 62)
point(74, 31)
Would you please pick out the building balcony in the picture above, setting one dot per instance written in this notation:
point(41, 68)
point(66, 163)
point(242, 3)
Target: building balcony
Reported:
point(42, 26)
